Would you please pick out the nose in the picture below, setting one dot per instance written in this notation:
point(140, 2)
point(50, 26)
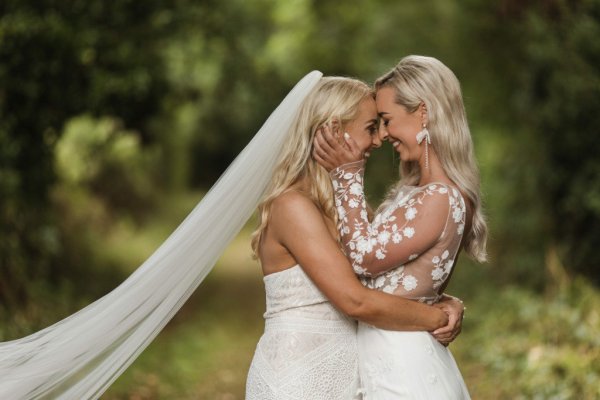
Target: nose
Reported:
point(376, 142)
point(382, 133)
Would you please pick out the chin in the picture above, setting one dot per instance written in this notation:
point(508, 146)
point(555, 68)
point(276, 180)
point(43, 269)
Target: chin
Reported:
point(400, 152)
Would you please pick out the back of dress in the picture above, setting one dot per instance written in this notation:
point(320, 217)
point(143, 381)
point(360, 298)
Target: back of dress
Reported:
point(308, 350)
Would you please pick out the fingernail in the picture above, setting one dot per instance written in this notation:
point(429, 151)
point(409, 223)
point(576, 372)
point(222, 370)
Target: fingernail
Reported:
point(346, 135)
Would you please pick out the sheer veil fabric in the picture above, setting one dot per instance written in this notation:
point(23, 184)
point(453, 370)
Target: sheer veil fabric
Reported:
point(80, 356)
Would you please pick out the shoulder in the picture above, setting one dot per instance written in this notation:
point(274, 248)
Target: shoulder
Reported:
point(429, 204)
point(294, 208)
point(432, 194)
point(292, 202)
point(295, 216)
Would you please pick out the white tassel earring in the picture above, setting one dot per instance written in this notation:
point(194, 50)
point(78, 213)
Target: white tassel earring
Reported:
point(424, 134)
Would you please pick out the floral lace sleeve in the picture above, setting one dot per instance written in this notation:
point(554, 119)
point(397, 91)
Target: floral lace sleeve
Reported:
point(404, 230)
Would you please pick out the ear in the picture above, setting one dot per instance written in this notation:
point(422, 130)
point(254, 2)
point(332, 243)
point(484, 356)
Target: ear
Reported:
point(335, 126)
point(424, 115)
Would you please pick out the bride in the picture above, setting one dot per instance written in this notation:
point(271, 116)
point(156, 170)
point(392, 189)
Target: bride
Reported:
point(411, 246)
point(308, 350)
point(80, 356)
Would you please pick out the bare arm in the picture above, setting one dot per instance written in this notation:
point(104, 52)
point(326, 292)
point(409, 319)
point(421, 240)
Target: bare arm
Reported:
point(300, 228)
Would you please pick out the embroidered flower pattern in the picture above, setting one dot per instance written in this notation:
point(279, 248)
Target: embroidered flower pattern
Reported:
point(396, 225)
point(377, 372)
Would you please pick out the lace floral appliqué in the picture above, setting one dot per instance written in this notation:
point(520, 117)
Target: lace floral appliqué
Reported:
point(373, 247)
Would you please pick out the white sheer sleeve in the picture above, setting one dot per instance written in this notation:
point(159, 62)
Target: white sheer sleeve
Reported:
point(399, 234)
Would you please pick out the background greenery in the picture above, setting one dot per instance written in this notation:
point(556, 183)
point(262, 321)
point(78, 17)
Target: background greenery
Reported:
point(115, 116)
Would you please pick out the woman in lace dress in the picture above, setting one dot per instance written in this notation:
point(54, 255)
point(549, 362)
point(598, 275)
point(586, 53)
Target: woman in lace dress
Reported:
point(411, 246)
point(308, 350)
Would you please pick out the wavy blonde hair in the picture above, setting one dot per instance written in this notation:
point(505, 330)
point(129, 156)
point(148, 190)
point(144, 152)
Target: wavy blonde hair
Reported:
point(419, 79)
point(333, 98)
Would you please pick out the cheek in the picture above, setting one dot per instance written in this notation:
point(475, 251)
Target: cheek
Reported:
point(398, 131)
point(364, 145)
point(394, 131)
point(363, 140)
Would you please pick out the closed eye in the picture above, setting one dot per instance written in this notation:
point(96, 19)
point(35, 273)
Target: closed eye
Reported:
point(372, 129)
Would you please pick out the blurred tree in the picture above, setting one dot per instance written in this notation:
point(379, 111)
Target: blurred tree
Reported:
point(196, 79)
point(59, 59)
point(550, 58)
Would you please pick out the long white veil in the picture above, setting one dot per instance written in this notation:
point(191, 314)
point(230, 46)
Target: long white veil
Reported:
point(80, 356)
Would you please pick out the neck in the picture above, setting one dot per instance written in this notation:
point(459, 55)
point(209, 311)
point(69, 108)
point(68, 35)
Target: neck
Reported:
point(434, 172)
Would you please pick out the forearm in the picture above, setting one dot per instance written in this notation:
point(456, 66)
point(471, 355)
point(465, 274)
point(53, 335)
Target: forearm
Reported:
point(397, 313)
point(353, 215)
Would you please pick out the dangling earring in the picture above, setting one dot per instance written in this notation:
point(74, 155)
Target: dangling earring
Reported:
point(424, 134)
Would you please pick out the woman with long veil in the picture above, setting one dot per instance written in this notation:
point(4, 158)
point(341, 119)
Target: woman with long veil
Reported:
point(80, 356)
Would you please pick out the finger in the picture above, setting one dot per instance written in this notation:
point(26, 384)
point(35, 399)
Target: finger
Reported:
point(322, 158)
point(444, 330)
point(322, 155)
point(333, 142)
point(352, 145)
point(453, 320)
point(335, 130)
point(319, 141)
point(322, 162)
point(325, 140)
point(444, 341)
point(444, 337)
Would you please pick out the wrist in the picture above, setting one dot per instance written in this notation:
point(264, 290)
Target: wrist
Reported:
point(354, 166)
point(441, 319)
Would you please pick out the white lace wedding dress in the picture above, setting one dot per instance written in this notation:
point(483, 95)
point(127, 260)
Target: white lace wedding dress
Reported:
point(407, 250)
point(308, 349)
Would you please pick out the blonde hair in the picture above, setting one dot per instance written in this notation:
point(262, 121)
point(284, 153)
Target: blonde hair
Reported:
point(419, 79)
point(334, 98)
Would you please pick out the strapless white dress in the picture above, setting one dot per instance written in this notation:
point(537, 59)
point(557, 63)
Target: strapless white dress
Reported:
point(308, 349)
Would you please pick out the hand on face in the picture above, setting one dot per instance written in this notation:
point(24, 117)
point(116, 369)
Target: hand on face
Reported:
point(331, 150)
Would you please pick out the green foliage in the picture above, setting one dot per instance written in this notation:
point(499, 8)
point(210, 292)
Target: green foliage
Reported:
point(60, 59)
point(99, 156)
point(105, 106)
point(549, 94)
point(562, 83)
point(545, 346)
